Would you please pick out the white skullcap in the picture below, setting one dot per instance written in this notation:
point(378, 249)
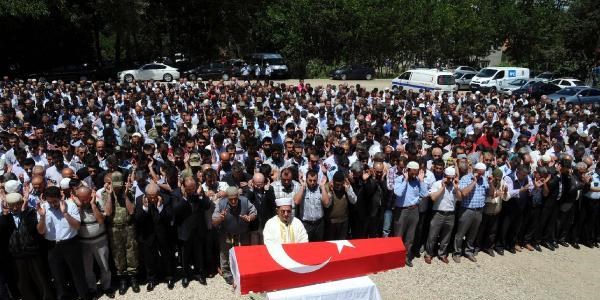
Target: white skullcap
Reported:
point(413, 165)
point(449, 171)
point(546, 158)
point(283, 201)
point(480, 166)
point(12, 186)
point(64, 183)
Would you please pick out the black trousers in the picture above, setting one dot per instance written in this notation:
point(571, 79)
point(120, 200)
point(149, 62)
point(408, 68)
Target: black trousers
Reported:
point(336, 231)
point(315, 230)
point(63, 256)
point(375, 225)
point(486, 237)
point(192, 253)
point(211, 251)
point(591, 223)
point(32, 278)
point(530, 230)
point(566, 218)
point(512, 218)
point(548, 218)
point(422, 231)
point(156, 255)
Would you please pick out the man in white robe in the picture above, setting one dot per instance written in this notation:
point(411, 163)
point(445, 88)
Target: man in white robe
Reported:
point(284, 228)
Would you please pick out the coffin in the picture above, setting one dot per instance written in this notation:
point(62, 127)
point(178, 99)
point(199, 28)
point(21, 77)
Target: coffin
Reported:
point(274, 267)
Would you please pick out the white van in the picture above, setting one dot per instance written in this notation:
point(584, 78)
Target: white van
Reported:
point(426, 79)
point(494, 79)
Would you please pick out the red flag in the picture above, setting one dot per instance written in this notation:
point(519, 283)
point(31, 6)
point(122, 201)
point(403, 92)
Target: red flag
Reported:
point(276, 267)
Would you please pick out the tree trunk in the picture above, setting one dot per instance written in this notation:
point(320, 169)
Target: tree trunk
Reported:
point(97, 46)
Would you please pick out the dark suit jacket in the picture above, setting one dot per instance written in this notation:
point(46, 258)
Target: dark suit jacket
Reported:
point(265, 209)
point(152, 225)
point(188, 214)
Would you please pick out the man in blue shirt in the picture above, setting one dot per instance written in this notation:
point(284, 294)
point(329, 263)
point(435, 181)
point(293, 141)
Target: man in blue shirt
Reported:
point(408, 189)
point(474, 188)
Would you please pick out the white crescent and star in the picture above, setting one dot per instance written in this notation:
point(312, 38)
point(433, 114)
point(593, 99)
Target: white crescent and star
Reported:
point(283, 259)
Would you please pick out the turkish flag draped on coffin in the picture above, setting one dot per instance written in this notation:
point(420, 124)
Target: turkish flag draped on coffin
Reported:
point(273, 267)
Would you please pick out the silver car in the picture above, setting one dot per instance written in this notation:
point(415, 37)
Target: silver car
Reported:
point(463, 79)
point(583, 95)
point(513, 85)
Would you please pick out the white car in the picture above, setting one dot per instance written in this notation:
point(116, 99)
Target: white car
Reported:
point(153, 71)
point(567, 82)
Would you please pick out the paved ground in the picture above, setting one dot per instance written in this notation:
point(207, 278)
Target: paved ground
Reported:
point(563, 274)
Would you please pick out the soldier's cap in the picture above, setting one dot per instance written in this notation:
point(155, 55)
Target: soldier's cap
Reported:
point(195, 160)
point(116, 179)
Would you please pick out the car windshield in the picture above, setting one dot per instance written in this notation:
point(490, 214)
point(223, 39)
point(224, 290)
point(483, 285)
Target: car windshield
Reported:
point(486, 73)
point(545, 75)
point(275, 61)
point(530, 83)
point(568, 92)
point(516, 82)
point(445, 80)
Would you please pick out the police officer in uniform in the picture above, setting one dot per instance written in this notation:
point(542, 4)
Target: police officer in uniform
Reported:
point(120, 206)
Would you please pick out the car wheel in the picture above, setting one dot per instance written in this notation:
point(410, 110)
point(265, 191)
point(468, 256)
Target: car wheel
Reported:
point(225, 77)
point(128, 78)
point(192, 77)
point(369, 77)
point(343, 77)
point(167, 77)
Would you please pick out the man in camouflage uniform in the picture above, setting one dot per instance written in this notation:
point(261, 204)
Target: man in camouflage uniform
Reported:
point(120, 207)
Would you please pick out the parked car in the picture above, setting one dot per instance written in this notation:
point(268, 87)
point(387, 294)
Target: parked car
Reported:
point(463, 80)
point(152, 71)
point(567, 82)
point(213, 70)
point(465, 69)
point(536, 89)
point(278, 66)
point(353, 72)
point(236, 66)
point(545, 77)
point(67, 73)
point(513, 85)
point(578, 94)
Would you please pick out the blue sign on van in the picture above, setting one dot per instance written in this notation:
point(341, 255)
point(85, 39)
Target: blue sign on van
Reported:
point(512, 73)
